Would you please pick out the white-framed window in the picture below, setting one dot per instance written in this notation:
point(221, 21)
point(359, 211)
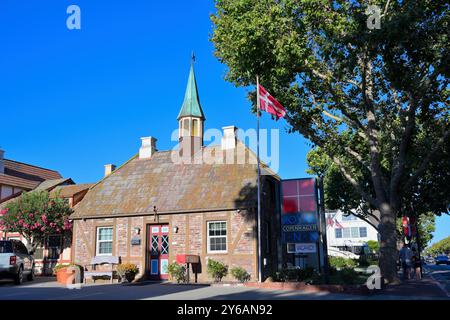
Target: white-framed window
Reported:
point(346, 233)
point(104, 241)
point(338, 233)
point(362, 232)
point(217, 237)
point(355, 232)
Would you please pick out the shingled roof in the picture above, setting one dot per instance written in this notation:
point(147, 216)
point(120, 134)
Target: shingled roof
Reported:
point(140, 184)
point(25, 176)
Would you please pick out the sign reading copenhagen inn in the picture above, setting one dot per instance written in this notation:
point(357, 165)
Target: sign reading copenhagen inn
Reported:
point(299, 219)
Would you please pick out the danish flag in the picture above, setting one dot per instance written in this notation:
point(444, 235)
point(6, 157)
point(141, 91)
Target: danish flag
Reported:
point(270, 104)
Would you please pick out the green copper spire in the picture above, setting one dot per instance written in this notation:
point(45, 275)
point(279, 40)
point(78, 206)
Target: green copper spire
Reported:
point(191, 104)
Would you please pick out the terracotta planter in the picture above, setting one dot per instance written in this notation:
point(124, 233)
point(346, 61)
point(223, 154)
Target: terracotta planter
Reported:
point(63, 274)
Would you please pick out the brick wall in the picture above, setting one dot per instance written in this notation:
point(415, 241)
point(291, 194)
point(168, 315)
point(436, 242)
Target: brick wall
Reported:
point(191, 238)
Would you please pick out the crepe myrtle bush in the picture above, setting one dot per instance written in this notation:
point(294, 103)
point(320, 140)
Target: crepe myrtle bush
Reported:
point(35, 215)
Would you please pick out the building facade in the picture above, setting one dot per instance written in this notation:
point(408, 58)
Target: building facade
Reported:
point(193, 200)
point(17, 177)
point(348, 233)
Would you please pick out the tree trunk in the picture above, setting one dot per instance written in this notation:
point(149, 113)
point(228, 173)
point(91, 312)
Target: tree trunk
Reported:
point(388, 244)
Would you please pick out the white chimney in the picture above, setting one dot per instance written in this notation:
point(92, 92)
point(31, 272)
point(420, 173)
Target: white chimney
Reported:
point(2, 162)
point(109, 168)
point(148, 147)
point(229, 138)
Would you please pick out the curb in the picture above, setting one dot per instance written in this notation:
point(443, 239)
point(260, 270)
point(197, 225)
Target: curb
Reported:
point(301, 286)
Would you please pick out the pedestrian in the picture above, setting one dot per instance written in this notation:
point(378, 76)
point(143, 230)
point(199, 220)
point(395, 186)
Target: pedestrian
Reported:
point(405, 256)
point(417, 264)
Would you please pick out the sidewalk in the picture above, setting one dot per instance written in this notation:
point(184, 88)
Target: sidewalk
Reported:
point(426, 288)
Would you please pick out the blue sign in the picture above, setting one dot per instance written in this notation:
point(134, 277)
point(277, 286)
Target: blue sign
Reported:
point(300, 236)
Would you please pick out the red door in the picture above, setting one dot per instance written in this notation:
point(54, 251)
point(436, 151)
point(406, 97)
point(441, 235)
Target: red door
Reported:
point(158, 251)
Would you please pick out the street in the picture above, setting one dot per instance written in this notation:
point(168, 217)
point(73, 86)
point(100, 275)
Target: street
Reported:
point(441, 274)
point(48, 289)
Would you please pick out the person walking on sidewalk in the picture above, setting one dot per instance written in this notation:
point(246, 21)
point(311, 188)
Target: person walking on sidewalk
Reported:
point(405, 256)
point(417, 264)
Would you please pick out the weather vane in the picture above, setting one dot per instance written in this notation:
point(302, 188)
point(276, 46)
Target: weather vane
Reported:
point(193, 57)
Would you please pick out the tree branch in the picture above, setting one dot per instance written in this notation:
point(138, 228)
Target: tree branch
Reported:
point(425, 163)
point(354, 183)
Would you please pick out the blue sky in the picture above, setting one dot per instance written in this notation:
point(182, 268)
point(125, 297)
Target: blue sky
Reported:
point(74, 100)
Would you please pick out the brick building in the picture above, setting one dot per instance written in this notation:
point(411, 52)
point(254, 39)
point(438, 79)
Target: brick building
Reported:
point(155, 207)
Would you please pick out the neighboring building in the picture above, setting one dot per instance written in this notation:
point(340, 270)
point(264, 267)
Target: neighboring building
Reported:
point(348, 233)
point(16, 178)
point(152, 209)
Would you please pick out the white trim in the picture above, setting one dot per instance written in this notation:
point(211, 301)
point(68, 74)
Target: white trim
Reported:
point(97, 242)
point(208, 237)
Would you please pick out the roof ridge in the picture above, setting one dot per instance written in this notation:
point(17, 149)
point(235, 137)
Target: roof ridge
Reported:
point(32, 165)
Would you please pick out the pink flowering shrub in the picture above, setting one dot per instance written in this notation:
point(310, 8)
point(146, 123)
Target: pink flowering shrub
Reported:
point(35, 216)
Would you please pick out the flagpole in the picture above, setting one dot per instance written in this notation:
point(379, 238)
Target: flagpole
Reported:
point(259, 185)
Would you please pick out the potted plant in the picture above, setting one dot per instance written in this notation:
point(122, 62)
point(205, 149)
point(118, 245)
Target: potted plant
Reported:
point(127, 271)
point(65, 271)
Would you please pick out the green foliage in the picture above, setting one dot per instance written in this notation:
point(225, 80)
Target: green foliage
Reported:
point(59, 267)
point(440, 247)
point(294, 274)
point(367, 260)
point(240, 274)
point(217, 270)
point(178, 272)
point(340, 262)
point(349, 276)
point(36, 216)
point(374, 246)
point(373, 100)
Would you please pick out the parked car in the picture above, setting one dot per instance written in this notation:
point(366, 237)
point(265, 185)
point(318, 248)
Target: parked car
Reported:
point(442, 259)
point(15, 261)
point(429, 260)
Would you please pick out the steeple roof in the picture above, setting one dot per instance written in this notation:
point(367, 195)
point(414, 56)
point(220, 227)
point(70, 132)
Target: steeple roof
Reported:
point(191, 105)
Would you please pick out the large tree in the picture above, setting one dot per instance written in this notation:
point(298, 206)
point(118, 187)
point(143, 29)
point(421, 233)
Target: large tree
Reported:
point(374, 100)
point(340, 195)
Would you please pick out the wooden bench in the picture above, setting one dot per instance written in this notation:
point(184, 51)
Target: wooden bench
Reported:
point(99, 261)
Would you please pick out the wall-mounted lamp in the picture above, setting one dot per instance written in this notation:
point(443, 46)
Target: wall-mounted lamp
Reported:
point(175, 229)
point(137, 230)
